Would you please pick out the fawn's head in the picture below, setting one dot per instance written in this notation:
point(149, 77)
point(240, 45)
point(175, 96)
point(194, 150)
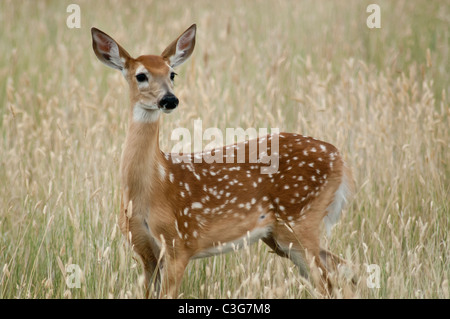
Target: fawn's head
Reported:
point(150, 77)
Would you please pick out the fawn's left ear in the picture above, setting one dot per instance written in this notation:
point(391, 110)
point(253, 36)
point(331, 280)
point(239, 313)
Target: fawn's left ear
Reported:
point(108, 50)
point(181, 49)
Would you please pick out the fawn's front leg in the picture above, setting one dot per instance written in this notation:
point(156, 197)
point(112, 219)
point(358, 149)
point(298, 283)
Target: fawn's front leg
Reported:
point(172, 275)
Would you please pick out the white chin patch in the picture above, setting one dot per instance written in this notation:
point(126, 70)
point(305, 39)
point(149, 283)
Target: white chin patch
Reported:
point(144, 114)
point(167, 111)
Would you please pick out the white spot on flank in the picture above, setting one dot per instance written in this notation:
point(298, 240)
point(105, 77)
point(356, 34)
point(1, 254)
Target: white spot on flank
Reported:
point(178, 230)
point(171, 177)
point(196, 205)
point(162, 171)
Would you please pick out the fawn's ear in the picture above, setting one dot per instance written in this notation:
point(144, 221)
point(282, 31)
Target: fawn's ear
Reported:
point(181, 49)
point(108, 50)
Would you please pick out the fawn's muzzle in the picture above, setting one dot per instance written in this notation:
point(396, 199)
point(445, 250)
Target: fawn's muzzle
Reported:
point(168, 102)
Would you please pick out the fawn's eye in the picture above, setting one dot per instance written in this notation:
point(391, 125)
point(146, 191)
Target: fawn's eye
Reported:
point(172, 76)
point(141, 77)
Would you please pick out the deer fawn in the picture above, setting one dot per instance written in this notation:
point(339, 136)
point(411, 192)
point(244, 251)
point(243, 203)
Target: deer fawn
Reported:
point(183, 210)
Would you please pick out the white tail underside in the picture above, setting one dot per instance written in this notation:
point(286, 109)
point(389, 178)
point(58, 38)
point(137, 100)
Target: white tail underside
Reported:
point(340, 199)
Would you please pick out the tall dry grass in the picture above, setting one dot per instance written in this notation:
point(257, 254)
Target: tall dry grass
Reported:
point(380, 95)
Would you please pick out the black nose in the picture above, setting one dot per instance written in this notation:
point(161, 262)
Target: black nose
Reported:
point(169, 101)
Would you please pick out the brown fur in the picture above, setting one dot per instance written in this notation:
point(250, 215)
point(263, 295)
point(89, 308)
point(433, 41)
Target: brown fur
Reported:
point(185, 209)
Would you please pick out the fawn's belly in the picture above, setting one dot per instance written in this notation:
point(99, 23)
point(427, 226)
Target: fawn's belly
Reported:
point(246, 240)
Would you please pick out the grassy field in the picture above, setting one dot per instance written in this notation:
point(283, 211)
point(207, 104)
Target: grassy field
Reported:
point(380, 95)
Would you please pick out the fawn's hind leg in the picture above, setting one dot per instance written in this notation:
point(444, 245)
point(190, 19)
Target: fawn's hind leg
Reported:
point(337, 265)
point(306, 256)
point(283, 251)
point(330, 260)
point(300, 241)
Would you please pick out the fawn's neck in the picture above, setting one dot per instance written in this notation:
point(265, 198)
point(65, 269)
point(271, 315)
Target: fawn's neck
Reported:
point(143, 164)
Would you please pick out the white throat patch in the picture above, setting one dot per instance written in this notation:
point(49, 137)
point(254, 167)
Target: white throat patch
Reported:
point(143, 114)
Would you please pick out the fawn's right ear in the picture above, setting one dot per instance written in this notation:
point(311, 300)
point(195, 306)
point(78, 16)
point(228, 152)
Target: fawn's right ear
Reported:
point(108, 50)
point(181, 49)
